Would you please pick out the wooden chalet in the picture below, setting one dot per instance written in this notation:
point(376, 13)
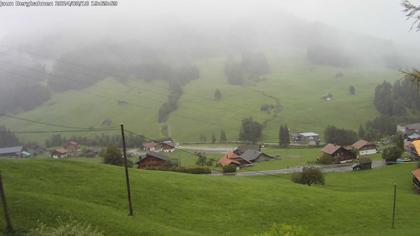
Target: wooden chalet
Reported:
point(59, 153)
point(153, 159)
point(168, 146)
point(364, 147)
point(339, 152)
point(72, 146)
point(245, 158)
point(416, 180)
point(151, 147)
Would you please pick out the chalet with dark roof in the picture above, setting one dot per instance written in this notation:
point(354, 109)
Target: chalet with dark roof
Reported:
point(153, 159)
point(339, 152)
point(255, 156)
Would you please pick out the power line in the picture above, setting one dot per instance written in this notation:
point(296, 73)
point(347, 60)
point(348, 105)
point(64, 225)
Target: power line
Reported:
point(44, 123)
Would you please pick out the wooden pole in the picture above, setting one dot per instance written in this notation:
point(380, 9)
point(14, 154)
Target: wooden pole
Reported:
point(394, 205)
point(9, 227)
point(127, 179)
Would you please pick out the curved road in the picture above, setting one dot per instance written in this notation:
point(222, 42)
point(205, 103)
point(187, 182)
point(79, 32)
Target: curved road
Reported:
point(325, 169)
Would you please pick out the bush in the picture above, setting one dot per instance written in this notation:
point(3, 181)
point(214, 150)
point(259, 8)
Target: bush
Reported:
point(112, 156)
point(391, 154)
point(285, 230)
point(326, 159)
point(229, 169)
point(65, 229)
point(309, 176)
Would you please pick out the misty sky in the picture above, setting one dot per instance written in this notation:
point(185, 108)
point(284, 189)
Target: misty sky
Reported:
point(380, 18)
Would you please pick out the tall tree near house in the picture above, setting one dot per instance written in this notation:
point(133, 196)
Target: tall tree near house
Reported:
point(213, 138)
point(251, 130)
point(284, 139)
point(412, 12)
point(223, 138)
point(352, 90)
point(7, 138)
point(217, 95)
point(361, 133)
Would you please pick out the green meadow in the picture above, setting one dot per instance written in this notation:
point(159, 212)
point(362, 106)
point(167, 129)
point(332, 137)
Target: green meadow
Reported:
point(167, 203)
point(294, 82)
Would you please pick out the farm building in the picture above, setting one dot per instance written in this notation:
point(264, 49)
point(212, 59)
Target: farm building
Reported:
point(72, 146)
point(308, 138)
point(416, 180)
point(246, 158)
point(13, 152)
point(153, 159)
point(338, 152)
point(59, 153)
point(168, 146)
point(255, 156)
point(151, 147)
point(231, 158)
point(364, 147)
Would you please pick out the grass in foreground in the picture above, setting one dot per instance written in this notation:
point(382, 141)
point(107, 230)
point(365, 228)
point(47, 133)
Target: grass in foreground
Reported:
point(168, 203)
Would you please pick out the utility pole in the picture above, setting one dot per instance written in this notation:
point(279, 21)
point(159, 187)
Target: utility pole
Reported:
point(9, 227)
point(127, 179)
point(393, 208)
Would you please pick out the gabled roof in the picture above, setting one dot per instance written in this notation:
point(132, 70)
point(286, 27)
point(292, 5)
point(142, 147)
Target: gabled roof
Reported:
point(414, 136)
point(11, 150)
point(149, 145)
point(61, 150)
point(360, 144)
point(231, 158)
point(156, 155)
point(251, 155)
point(330, 148)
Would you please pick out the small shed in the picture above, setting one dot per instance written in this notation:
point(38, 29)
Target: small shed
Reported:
point(153, 159)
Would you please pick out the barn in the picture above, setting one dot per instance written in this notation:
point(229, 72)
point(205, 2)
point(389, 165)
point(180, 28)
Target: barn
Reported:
point(153, 159)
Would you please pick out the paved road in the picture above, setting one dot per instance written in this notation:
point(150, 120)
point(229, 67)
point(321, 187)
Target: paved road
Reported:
point(325, 169)
point(207, 149)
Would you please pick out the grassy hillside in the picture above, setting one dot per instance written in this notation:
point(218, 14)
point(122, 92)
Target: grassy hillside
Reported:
point(294, 82)
point(179, 204)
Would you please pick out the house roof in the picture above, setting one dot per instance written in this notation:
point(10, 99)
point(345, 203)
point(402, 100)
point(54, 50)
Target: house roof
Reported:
point(330, 148)
point(168, 144)
point(72, 143)
point(414, 136)
point(360, 144)
point(250, 155)
point(156, 155)
point(149, 145)
point(309, 134)
point(416, 145)
point(11, 150)
point(230, 158)
point(61, 150)
point(416, 173)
